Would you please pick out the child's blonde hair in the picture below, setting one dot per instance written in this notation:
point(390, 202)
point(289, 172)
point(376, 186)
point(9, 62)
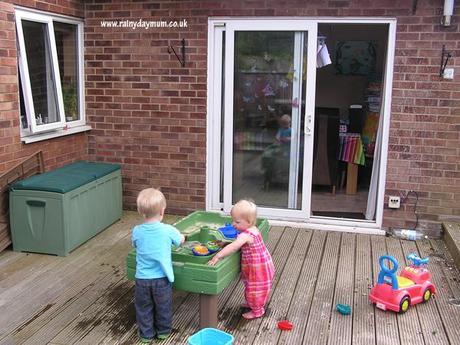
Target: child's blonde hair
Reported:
point(150, 202)
point(246, 209)
point(285, 119)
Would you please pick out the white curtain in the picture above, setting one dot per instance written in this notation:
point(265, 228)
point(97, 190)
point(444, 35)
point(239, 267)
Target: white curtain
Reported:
point(373, 188)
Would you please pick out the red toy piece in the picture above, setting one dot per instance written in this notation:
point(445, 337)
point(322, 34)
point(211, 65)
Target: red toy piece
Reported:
point(397, 293)
point(285, 325)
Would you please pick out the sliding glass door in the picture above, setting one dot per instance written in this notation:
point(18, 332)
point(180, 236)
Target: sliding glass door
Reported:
point(275, 118)
point(268, 75)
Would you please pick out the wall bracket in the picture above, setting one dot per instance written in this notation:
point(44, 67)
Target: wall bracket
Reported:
point(181, 59)
point(445, 56)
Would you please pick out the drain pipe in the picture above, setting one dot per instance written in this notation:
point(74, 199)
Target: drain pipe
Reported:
point(448, 11)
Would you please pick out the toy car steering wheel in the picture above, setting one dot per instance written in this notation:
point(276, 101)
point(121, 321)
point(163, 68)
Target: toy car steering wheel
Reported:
point(386, 268)
point(386, 271)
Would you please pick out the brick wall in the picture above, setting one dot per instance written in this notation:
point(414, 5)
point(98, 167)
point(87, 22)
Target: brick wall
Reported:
point(57, 151)
point(424, 143)
point(149, 113)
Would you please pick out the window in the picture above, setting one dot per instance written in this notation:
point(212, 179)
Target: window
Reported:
point(50, 59)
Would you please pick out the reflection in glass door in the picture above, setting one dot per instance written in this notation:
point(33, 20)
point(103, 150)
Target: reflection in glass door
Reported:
point(266, 125)
point(267, 136)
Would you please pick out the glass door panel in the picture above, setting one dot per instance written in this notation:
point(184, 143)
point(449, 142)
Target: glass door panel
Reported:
point(266, 117)
point(265, 107)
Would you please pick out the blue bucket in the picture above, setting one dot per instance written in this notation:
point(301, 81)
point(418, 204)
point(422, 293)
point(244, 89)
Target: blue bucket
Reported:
point(211, 336)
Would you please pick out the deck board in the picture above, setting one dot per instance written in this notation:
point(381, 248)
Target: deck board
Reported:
point(63, 273)
point(341, 325)
point(245, 331)
point(386, 325)
point(280, 300)
point(428, 315)
point(410, 331)
point(316, 331)
point(450, 314)
point(302, 297)
point(363, 311)
point(449, 268)
point(86, 299)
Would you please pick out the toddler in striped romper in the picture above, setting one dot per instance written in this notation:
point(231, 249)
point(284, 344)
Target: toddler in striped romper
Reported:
point(257, 269)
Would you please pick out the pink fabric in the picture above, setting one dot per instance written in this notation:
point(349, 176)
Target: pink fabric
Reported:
point(257, 273)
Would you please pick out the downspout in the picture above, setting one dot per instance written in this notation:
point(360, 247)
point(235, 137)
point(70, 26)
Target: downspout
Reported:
point(448, 12)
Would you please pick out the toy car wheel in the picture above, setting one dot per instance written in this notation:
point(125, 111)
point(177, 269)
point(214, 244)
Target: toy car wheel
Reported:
point(427, 295)
point(404, 304)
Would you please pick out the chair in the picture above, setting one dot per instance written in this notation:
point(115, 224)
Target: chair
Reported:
point(325, 163)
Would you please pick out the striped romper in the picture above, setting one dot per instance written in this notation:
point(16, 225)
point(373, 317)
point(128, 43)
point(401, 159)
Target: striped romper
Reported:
point(257, 273)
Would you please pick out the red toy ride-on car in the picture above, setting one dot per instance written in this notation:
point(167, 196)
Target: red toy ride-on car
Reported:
point(397, 293)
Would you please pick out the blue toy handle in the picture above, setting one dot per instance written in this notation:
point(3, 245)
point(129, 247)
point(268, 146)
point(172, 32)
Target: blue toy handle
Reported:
point(387, 272)
point(416, 260)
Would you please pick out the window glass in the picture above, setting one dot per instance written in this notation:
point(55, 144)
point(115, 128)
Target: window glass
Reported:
point(41, 72)
point(24, 122)
point(66, 45)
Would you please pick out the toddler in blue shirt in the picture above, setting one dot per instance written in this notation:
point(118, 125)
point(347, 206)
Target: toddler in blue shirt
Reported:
point(154, 272)
point(283, 135)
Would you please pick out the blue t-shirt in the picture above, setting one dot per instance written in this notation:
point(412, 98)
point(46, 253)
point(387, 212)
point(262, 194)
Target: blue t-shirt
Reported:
point(284, 133)
point(153, 243)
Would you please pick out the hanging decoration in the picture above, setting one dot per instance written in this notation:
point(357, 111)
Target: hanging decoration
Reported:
point(295, 103)
point(322, 53)
point(283, 84)
point(268, 90)
point(290, 74)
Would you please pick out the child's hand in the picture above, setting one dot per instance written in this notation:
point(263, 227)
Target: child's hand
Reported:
point(214, 260)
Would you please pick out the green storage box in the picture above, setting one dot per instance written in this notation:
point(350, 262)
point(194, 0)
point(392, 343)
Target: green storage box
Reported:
point(191, 273)
point(57, 211)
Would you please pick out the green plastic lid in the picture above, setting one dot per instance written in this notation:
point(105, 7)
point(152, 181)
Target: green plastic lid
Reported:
point(66, 178)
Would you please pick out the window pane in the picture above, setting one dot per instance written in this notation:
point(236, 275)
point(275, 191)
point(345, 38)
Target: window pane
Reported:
point(24, 123)
point(41, 72)
point(66, 45)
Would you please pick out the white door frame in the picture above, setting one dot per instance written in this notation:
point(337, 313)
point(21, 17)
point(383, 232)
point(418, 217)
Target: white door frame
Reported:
point(213, 122)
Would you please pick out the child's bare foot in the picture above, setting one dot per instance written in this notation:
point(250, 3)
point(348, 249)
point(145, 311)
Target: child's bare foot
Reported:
point(250, 315)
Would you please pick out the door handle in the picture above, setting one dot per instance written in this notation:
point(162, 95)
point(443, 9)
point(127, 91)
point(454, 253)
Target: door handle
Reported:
point(308, 125)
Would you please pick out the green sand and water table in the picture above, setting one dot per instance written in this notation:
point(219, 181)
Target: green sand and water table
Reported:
point(191, 272)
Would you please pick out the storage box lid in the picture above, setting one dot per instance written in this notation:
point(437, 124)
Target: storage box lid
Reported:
point(66, 178)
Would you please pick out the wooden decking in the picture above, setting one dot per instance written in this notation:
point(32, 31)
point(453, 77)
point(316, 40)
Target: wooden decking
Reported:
point(86, 299)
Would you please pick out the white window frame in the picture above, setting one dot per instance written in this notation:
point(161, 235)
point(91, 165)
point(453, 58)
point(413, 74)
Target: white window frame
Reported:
point(62, 127)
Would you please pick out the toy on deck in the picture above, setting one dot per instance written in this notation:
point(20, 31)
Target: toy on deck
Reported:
point(397, 293)
point(285, 325)
point(343, 309)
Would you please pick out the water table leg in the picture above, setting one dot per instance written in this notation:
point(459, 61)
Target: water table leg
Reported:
point(208, 311)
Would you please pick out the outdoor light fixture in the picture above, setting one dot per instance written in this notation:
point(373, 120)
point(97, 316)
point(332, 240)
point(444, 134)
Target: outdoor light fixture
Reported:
point(448, 11)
